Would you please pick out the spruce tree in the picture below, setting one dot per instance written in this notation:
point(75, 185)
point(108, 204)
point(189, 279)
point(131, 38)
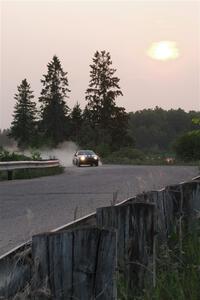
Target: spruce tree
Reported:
point(54, 110)
point(76, 123)
point(101, 99)
point(87, 132)
point(23, 125)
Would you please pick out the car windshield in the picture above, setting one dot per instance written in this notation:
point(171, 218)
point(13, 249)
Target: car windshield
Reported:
point(86, 152)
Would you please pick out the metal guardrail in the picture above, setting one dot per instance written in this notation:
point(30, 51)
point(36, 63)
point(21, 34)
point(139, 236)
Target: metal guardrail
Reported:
point(196, 178)
point(15, 165)
point(10, 166)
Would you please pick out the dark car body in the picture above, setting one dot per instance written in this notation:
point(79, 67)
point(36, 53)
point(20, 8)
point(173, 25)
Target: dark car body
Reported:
point(85, 157)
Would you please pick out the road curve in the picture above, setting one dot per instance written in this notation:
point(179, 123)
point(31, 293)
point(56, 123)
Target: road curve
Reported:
point(31, 206)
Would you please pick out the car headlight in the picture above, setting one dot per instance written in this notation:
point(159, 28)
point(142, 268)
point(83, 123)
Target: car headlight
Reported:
point(82, 158)
point(95, 157)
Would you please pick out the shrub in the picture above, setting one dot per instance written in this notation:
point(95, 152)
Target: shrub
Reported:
point(128, 153)
point(13, 156)
point(103, 150)
point(187, 147)
point(7, 156)
point(35, 155)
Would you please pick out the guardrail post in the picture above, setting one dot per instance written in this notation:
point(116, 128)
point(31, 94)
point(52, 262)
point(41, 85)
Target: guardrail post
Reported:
point(10, 174)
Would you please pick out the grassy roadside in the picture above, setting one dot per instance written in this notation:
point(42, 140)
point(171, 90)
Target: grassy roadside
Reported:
point(131, 156)
point(177, 270)
point(147, 162)
point(178, 275)
point(32, 173)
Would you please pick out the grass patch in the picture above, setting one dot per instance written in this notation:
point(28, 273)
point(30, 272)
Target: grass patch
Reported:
point(178, 273)
point(178, 276)
point(32, 173)
point(146, 162)
point(132, 156)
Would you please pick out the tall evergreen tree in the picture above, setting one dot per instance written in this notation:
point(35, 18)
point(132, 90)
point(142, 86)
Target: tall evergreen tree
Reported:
point(101, 98)
point(76, 123)
point(54, 109)
point(23, 125)
point(87, 132)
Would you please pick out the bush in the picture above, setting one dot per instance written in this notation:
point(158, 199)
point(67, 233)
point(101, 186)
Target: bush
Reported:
point(125, 155)
point(103, 150)
point(12, 156)
point(7, 156)
point(187, 147)
point(35, 155)
point(128, 153)
point(178, 275)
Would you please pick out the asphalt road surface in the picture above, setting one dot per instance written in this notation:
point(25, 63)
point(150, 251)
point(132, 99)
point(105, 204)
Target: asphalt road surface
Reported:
point(31, 206)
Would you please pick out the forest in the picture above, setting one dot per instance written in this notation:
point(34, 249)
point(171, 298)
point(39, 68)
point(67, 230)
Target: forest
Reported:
point(101, 125)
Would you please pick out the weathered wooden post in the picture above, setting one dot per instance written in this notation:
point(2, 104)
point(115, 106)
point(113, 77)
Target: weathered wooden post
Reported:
point(135, 225)
point(75, 265)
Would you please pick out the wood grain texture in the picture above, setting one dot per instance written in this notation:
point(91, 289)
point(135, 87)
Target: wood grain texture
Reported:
point(76, 265)
point(135, 225)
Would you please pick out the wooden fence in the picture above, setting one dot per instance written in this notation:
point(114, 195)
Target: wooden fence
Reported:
point(90, 259)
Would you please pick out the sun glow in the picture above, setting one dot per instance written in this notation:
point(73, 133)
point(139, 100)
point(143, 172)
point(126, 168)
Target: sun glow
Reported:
point(163, 50)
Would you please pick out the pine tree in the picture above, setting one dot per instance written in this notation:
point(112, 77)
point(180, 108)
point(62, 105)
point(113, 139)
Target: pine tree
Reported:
point(23, 125)
point(54, 110)
point(76, 123)
point(101, 98)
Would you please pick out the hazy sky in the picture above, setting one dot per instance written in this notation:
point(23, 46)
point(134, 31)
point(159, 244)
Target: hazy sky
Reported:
point(33, 31)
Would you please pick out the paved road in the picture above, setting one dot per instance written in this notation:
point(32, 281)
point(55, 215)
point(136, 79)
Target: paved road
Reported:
point(32, 206)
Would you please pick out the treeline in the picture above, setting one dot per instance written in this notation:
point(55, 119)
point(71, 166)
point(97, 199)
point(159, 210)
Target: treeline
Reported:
point(150, 130)
point(158, 129)
point(101, 123)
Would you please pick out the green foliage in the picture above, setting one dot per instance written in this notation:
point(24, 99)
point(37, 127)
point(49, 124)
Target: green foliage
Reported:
point(7, 156)
point(76, 120)
point(125, 155)
point(87, 132)
point(103, 150)
point(108, 121)
point(35, 155)
point(129, 153)
point(196, 121)
point(103, 89)
point(121, 288)
point(23, 125)
point(13, 156)
point(178, 277)
point(54, 122)
point(187, 147)
point(157, 129)
point(101, 123)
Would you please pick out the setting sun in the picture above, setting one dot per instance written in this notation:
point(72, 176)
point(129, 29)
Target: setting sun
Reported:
point(163, 50)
